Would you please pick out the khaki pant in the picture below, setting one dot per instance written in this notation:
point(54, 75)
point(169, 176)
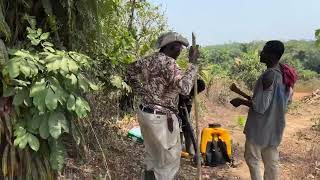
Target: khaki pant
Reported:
point(163, 148)
point(270, 158)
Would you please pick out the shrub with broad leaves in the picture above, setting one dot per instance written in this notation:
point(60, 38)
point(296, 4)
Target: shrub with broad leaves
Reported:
point(46, 87)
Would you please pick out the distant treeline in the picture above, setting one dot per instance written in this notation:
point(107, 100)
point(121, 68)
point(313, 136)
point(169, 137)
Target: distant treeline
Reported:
point(303, 55)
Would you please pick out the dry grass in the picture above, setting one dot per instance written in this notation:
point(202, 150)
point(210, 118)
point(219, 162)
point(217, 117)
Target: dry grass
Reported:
point(307, 86)
point(299, 155)
point(219, 93)
point(106, 149)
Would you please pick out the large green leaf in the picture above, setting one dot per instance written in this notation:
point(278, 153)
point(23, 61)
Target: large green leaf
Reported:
point(82, 107)
point(13, 67)
point(35, 42)
point(80, 59)
point(39, 101)
point(39, 32)
point(64, 64)
point(54, 66)
point(73, 79)
point(44, 36)
point(44, 127)
point(116, 81)
point(50, 57)
point(21, 141)
point(33, 142)
point(51, 99)
point(49, 49)
point(22, 53)
point(39, 93)
point(23, 137)
point(83, 83)
point(20, 97)
point(57, 154)
point(71, 104)
point(25, 69)
point(69, 65)
point(58, 90)
point(35, 121)
point(57, 124)
point(19, 131)
point(37, 88)
point(73, 66)
point(93, 86)
point(47, 44)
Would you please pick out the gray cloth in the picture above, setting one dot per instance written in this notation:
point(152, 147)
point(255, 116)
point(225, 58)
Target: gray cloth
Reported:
point(170, 37)
point(270, 157)
point(163, 148)
point(266, 117)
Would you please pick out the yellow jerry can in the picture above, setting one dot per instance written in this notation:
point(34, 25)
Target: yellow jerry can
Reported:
point(216, 135)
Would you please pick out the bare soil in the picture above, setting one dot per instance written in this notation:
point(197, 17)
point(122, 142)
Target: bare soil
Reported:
point(299, 149)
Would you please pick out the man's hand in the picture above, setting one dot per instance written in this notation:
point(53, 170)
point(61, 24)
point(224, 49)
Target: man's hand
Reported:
point(194, 54)
point(235, 89)
point(236, 102)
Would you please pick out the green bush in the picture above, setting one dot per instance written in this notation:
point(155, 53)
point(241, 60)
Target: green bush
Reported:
point(241, 121)
point(307, 75)
point(47, 88)
point(247, 68)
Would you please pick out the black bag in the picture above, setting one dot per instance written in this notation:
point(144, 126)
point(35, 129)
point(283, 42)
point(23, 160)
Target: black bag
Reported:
point(216, 153)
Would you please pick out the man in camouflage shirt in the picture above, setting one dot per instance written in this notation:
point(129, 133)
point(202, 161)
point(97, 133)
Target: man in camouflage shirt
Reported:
point(159, 81)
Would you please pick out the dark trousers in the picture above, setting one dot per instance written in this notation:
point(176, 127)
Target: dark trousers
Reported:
point(186, 132)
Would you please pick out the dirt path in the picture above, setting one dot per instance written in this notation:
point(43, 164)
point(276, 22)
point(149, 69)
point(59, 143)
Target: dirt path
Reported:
point(297, 120)
point(292, 151)
point(299, 151)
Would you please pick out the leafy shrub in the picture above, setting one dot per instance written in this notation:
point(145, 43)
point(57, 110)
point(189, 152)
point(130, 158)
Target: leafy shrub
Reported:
point(247, 68)
point(47, 87)
point(307, 75)
point(241, 121)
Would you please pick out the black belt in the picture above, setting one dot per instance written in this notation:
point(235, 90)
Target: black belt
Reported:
point(150, 110)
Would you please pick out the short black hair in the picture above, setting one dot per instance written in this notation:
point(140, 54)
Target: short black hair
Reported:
point(276, 47)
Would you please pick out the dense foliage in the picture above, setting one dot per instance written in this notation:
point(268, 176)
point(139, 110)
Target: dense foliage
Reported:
point(241, 60)
point(44, 73)
point(46, 86)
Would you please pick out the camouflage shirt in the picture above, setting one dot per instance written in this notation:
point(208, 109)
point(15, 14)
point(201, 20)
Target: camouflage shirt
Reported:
point(159, 80)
